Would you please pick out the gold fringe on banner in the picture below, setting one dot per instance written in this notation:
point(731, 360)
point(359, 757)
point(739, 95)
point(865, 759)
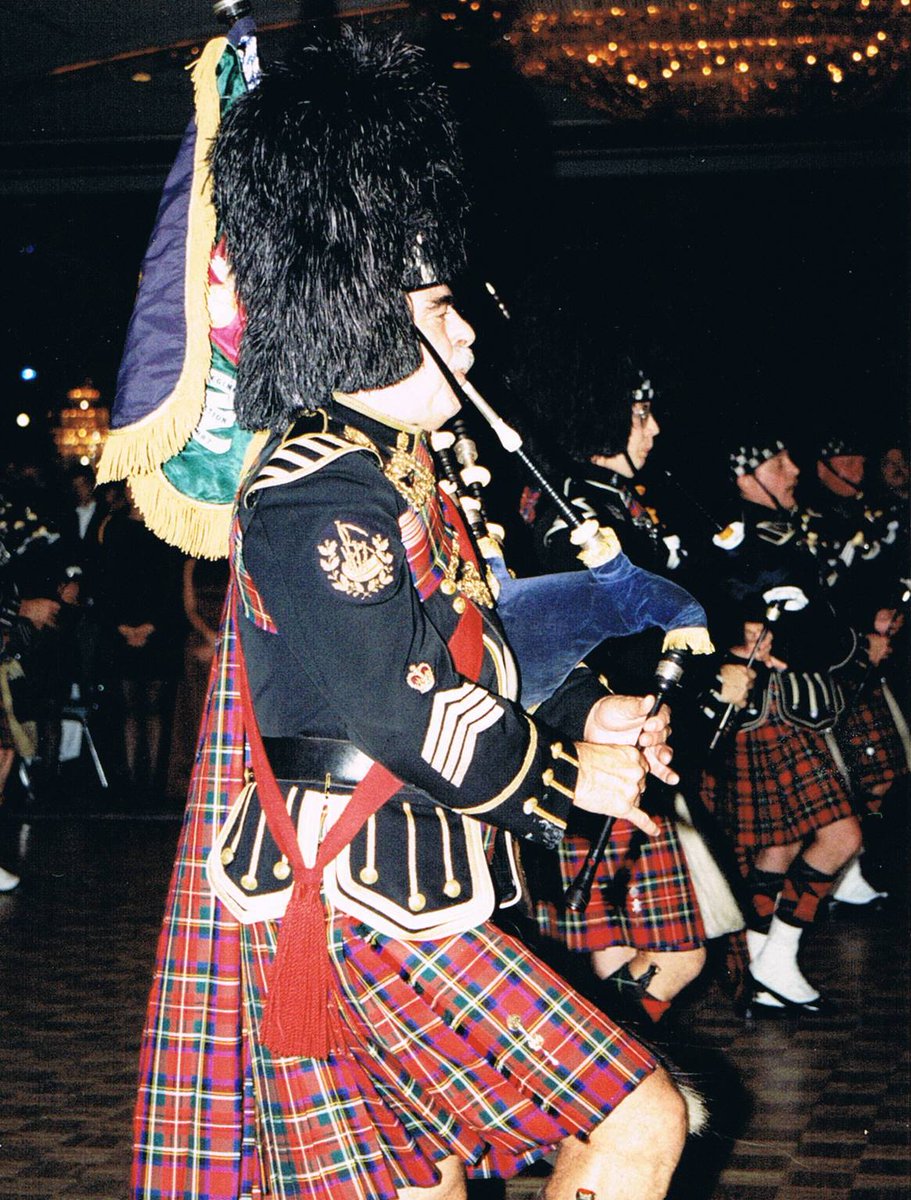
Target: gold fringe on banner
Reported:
point(199, 528)
point(142, 447)
point(693, 638)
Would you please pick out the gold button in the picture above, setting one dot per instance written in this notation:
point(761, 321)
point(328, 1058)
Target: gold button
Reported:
point(281, 870)
point(226, 856)
point(459, 604)
point(368, 875)
point(248, 882)
point(417, 901)
point(447, 587)
point(530, 806)
point(556, 749)
point(452, 888)
point(547, 776)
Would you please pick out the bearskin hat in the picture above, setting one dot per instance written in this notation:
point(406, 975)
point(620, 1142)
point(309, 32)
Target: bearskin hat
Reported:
point(571, 369)
point(338, 186)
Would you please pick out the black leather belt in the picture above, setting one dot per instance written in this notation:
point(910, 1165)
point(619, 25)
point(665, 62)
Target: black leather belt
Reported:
point(311, 758)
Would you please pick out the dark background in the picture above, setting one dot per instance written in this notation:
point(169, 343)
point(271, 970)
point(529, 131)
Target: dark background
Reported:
point(760, 265)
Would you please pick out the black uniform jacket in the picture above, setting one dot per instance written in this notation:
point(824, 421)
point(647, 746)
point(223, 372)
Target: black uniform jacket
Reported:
point(354, 581)
point(817, 645)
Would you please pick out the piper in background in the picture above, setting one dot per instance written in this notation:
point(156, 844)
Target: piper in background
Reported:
point(779, 789)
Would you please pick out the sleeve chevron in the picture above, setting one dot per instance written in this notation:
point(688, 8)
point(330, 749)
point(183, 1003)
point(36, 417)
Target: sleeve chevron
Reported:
point(458, 717)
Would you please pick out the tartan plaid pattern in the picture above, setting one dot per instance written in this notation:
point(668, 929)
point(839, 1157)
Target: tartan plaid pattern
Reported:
point(780, 783)
point(438, 1067)
point(427, 539)
point(253, 603)
point(194, 1126)
point(467, 1046)
point(870, 742)
point(656, 910)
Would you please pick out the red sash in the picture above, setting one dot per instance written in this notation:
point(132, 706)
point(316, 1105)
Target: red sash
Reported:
point(302, 1017)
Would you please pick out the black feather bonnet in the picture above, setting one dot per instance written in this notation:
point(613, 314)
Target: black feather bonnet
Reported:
point(338, 187)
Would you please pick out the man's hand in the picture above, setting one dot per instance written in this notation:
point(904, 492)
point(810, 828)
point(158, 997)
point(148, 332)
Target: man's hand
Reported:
point(888, 621)
point(878, 648)
point(752, 631)
point(41, 612)
point(736, 679)
point(624, 721)
point(611, 782)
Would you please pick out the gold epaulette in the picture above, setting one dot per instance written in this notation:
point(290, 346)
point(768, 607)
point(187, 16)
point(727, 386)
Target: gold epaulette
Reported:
point(299, 455)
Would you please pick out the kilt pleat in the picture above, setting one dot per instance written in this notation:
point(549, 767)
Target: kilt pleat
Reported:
point(871, 742)
point(654, 908)
point(778, 785)
point(468, 1046)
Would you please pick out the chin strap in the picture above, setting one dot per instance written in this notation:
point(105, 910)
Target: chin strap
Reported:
point(775, 501)
point(838, 475)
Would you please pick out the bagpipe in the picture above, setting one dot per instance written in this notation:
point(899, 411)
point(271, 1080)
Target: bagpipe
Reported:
point(553, 621)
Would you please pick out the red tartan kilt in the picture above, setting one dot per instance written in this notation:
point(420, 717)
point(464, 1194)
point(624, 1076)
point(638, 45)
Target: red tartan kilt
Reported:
point(468, 1046)
point(658, 909)
point(780, 783)
point(870, 742)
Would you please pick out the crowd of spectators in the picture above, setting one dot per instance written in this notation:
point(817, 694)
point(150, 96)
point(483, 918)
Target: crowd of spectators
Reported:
point(99, 620)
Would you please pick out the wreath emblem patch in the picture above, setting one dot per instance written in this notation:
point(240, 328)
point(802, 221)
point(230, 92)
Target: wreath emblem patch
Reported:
point(357, 563)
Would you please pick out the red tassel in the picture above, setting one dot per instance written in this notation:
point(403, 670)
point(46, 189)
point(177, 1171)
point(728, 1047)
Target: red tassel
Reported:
point(301, 1017)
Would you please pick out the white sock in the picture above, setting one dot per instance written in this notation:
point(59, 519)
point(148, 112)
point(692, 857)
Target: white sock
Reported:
point(852, 888)
point(776, 965)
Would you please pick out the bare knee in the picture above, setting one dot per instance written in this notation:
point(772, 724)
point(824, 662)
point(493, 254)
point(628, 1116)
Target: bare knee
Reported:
point(834, 845)
point(651, 1121)
point(450, 1187)
point(676, 969)
point(777, 859)
point(605, 962)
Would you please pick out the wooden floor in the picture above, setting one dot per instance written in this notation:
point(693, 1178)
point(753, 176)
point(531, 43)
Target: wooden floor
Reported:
point(800, 1111)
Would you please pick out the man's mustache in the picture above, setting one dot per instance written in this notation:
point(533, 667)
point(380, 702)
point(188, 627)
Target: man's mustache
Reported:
point(462, 361)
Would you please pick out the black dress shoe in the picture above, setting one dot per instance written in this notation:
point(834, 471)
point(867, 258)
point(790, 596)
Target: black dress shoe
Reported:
point(758, 1003)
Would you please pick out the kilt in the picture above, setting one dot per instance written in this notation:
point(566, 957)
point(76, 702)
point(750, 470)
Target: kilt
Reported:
point(870, 742)
point(779, 784)
point(657, 908)
point(467, 1046)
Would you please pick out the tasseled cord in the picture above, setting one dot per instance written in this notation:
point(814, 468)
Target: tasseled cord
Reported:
point(302, 1018)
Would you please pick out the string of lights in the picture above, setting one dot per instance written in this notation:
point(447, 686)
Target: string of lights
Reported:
point(706, 60)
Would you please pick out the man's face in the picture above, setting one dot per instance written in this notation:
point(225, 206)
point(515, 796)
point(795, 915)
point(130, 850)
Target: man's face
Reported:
point(642, 433)
point(424, 398)
point(842, 474)
point(773, 480)
point(894, 470)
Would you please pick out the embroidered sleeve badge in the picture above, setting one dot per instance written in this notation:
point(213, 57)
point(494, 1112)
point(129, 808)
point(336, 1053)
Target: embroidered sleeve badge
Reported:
point(357, 563)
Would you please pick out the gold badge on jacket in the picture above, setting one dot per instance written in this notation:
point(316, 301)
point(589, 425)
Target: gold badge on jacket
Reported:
point(357, 563)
